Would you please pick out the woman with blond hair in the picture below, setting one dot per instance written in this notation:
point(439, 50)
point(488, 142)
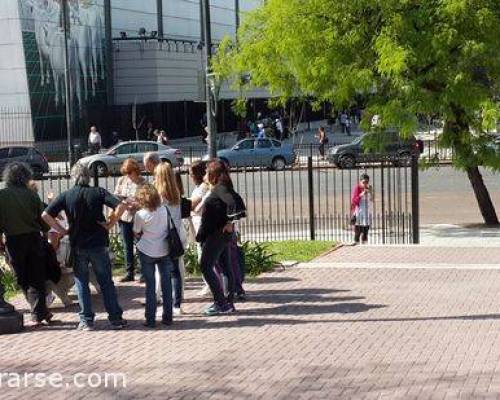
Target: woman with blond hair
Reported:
point(125, 190)
point(151, 227)
point(166, 184)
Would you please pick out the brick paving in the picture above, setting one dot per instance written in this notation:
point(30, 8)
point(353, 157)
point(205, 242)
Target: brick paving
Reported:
point(305, 333)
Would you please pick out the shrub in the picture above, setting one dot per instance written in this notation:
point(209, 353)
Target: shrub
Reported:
point(8, 279)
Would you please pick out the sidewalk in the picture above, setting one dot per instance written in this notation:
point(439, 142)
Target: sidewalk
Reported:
point(362, 322)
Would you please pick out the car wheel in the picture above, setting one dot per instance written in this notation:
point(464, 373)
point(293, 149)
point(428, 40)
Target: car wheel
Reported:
point(100, 167)
point(279, 163)
point(347, 162)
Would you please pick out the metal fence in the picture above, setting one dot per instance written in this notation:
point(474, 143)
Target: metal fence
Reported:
point(308, 201)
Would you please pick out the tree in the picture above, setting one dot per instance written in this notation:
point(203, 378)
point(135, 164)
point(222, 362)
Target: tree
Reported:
point(405, 57)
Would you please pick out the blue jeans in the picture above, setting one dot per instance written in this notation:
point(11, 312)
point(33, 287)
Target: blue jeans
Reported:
point(98, 257)
point(165, 267)
point(127, 234)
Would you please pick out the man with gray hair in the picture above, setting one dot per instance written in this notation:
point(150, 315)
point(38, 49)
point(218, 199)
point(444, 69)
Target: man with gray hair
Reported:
point(21, 223)
point(150, 161)
point(89, 239)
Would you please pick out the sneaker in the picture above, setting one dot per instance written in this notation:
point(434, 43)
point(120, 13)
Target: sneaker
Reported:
point(241, 296)
point(214, 309)
point(127, 278)
point(85, 326)
point(231, 308)
point(118, 323)
point(177, 311)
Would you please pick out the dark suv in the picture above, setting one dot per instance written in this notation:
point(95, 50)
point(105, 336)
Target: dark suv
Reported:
point(348, 155)
point(28, 155)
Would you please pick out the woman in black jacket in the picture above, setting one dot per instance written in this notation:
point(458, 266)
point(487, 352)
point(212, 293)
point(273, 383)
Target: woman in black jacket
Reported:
point(222, 206)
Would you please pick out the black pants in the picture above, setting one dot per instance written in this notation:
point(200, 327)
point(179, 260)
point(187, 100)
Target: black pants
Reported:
point(27, 257)
point(322, 149)
point(361, 231)
point(214, 249)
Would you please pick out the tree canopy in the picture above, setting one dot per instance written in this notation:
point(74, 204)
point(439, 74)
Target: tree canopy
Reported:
point(405, 57)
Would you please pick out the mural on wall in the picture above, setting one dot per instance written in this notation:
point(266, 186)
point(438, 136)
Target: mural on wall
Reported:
point(43, 38)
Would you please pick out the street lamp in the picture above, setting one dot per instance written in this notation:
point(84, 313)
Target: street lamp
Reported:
point(210, 79)
point(67, 80)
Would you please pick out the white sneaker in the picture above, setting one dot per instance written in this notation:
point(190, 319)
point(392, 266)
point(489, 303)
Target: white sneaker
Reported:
point(177, 311)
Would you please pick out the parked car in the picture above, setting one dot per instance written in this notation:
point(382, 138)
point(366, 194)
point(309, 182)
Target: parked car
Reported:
point(258, 153)
point(111, 161)
point(29, 155)
point(349, 155)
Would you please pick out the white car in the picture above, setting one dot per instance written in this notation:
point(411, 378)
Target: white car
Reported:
point(111, 161)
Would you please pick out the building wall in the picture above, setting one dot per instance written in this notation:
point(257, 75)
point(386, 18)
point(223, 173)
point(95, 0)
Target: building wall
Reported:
point(147, 72)
point(15, 112)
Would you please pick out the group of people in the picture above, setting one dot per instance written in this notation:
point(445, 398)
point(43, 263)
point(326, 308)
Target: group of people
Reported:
point(152, 219)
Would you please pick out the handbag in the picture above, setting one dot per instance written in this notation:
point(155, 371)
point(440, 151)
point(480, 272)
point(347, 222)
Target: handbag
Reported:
point(175, 247)
point(185, 207)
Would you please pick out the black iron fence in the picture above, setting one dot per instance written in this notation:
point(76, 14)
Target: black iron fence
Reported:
point(307, 201)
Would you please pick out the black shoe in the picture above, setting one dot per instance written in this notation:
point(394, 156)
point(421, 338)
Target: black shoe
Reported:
point(149, 324)
point(127, 278)
point(241, 296)
point(118, 323)
point(166, 322)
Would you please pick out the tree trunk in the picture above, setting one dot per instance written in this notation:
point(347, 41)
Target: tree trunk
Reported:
point(482, 196)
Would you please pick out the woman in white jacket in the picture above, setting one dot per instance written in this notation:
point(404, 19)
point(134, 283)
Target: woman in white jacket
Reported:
point(167, 187)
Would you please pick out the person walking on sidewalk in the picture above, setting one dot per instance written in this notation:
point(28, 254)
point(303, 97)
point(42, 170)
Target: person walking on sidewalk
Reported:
point(151, 227)
point(89, 239)
point(20, 222)
point(125, 190)
point(323, 141)
point(361, 209)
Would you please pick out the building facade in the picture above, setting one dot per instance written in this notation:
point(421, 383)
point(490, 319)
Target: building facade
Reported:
point(146, 66)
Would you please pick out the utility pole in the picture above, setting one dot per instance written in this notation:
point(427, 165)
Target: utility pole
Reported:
point(237, 14)
point(159, 17)
point(67, 80)
point(209, 95)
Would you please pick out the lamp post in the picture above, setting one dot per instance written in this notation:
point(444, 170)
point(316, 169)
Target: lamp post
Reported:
point(67, 79)
point(210, 82)
point(10, 320)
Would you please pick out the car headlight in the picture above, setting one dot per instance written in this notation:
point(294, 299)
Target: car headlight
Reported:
point(334, 150)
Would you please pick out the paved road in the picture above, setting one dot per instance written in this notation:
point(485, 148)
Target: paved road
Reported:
point(322, 332)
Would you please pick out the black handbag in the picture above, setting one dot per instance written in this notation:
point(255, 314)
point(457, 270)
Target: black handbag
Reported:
point(185, 207)
point(175, 247)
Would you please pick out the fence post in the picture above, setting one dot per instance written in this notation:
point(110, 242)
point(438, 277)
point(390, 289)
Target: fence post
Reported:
point(95, 176)
point(415, 207)
point(310, 187)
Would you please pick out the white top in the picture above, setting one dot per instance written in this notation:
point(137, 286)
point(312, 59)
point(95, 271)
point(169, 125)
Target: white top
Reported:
point(153, 226)
point(363, 212)
point(126, 188)
point(199, 192)
point(95, 137)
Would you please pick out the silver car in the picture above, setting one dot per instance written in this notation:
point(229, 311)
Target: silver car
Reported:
point(111, 161)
